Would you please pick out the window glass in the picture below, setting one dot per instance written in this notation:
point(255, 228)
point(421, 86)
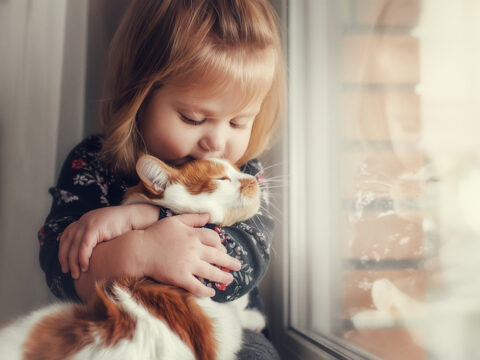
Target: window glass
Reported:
point(384, 175)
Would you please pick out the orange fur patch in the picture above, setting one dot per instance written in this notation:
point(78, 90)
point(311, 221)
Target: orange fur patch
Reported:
point(142, 190)
point(63, 334)
point(178, 309)
point(249, 187)
point(57, 337)
point(199, 176)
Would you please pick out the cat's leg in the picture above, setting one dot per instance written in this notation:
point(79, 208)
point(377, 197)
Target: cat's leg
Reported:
point(392, 306)
point(228, 331)
point(386, 296)
point(250, 319)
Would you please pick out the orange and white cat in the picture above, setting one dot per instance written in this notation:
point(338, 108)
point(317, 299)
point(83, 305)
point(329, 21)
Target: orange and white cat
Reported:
point(138, 318)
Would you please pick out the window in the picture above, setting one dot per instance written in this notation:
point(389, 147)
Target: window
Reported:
point(378, 250)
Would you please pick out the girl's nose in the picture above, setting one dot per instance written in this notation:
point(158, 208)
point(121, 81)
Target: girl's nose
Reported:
point(212, 142)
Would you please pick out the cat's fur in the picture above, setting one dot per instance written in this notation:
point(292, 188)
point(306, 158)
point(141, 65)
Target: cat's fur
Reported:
point(138, 318)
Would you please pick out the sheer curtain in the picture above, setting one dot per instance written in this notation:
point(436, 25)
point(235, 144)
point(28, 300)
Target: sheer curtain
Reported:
point(42, 69)
point(54, 54)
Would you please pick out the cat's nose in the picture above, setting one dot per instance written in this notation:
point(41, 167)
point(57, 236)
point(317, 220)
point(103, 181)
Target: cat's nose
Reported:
point(247, 182)
point(260, 179)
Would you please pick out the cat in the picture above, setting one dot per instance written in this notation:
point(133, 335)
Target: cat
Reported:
point(138, 318)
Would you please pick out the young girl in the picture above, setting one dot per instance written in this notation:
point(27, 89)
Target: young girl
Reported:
point(186, 80)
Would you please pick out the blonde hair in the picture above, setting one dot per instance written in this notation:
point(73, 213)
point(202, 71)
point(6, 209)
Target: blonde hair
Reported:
point(185, 43)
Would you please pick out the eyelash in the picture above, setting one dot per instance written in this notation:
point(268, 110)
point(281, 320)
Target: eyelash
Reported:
point(200, 122)
point(192, 122)
point(236, 126)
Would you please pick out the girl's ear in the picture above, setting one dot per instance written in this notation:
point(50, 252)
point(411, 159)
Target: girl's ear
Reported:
point(154, 173)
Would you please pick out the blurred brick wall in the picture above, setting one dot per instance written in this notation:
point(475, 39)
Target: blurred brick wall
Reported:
point(381, 125)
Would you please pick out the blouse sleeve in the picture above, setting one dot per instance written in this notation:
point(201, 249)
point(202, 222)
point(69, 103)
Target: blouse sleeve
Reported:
point(82, 186)
point(248, 241)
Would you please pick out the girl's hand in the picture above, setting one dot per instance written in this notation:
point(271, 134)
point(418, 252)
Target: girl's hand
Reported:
point(174, 250)
point(104, 224)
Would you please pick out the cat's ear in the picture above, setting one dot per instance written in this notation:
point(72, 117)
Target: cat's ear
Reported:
point(154, 173)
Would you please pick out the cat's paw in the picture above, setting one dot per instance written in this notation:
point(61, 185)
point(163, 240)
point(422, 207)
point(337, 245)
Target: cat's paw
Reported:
point(382, 294)
point(253, 320)
point(373, 319)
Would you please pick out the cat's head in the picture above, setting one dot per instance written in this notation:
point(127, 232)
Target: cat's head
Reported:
point(212, 186)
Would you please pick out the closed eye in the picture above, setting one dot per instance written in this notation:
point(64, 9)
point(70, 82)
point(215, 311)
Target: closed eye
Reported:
point(191, 121)
point(241, 123)
point(237, 126)
point(224, 178)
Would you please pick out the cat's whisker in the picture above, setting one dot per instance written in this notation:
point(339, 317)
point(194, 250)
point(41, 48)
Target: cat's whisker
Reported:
point(273, 183)
point(275, 218)
point(276, 192)
point(267, 211)
point(263, 226)
point(278, 183)
point(273, 178)
point(258, 222)
point(273, 186)
point(271, 166)
point(273, 251)
point(268, 187)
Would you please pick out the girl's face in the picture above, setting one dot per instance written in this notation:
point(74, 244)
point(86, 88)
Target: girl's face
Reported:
point(179, 126)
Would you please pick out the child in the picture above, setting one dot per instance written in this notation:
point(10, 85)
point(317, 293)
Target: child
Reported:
point(186, 80)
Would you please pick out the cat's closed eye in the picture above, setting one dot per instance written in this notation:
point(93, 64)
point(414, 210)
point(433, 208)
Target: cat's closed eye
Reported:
point(224, 178)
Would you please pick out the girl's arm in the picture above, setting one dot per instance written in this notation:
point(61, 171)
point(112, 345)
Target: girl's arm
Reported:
point(109, 260)
point(80, 188)
point(173, 251)
point(85, 186)
point(104, 224)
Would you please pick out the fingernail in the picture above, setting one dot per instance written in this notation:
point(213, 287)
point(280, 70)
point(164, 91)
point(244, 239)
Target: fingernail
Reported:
point(238, 264)
point(84, 269)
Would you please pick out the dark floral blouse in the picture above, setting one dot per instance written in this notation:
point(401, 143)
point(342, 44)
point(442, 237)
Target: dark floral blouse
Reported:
point(85, 183)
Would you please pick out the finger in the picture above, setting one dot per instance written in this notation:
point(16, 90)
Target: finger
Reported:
point(213, 256)
point(211, 238)
point(194, 220)
point(194, 286)
point(214, 274)
point(85, 252)
point(63, 249)
point(73, 255)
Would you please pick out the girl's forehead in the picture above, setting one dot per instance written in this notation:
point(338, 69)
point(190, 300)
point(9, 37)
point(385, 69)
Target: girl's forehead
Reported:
point(210, 102)
point(244, 78)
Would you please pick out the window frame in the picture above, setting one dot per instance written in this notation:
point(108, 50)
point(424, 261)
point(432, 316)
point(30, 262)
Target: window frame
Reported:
point(301, 19)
